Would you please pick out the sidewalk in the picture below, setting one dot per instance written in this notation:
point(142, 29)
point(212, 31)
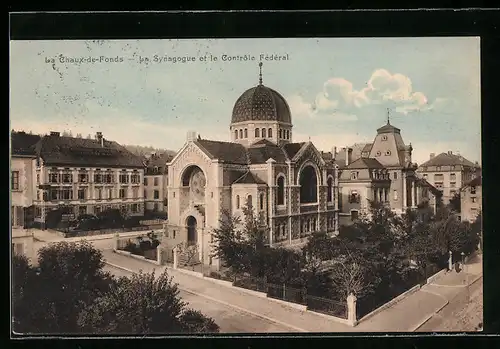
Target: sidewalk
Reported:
point(48, 236)
point(404, 316)
point(302, 321)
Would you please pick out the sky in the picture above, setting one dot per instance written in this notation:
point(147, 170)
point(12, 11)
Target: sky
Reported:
point(340, 90)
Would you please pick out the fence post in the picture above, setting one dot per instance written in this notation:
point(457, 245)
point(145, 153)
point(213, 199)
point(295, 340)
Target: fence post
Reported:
point(450, 262)
point(158, 255)
point(175, 250)
point(351, 310)
point(115, 241)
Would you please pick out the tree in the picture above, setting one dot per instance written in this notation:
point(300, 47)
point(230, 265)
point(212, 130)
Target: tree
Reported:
point(69, 277)
point(143, 304)
point(454, 203)
point(230, 243)
point(24, 295)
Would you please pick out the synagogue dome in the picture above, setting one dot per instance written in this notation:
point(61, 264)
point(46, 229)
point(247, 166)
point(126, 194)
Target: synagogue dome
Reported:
point(261, 103)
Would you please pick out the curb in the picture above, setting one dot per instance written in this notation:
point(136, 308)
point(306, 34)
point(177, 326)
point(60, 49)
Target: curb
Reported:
point(222, 302)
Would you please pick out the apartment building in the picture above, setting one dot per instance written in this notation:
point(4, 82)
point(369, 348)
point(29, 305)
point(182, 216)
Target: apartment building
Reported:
point(22, 174)
point(86, 176)
point(471, 199)
point(156, 182)
point(448, 172)
point(381, 171)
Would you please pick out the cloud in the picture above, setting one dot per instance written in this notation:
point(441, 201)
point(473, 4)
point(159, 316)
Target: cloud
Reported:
point(341, 101)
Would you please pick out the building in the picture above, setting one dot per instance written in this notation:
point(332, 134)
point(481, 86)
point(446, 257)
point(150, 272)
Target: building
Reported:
point(85, 176)
point(382, 171)
point(156, 182)
point(22, 243)
point(291, 188)
point(471, 200)
point(448, 172)
point(22, 174)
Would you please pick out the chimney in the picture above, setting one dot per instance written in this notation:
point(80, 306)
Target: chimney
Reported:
point(432, 155)
point(334, 153)
point(348, 156)
point(99, 138)
point(55, 134)
point(191, 136)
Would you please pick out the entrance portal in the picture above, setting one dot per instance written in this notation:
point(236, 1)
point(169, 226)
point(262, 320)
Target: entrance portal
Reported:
point(191, 230)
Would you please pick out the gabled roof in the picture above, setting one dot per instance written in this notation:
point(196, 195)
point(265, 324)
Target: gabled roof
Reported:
point(70, 151)
point(362, 163)
point(229, 152)
point(249, 178)
point(293, 148)
point(448, 159)
point(23, 143)
point(263, 150)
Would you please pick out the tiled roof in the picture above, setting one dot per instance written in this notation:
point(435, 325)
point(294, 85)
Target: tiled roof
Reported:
point(249, 178)
point(367, 147)
point(448, 159)
point(23, 143)
point(293, 148)
point(158, 160)
point(262, 151)
point(57, 150)
point(476, 182)
point(261, 103)
point(388, 128)
point(229, 152)
point(365, 163)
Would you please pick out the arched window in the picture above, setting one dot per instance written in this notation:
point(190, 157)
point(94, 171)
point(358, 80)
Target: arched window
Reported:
point(281, 133)
point(246, 133)
point(263, 133)
point(330, 189)
point(249, 201)
point(237, 201)
point(281, 190)
point(270, 132)
point(235, 134)
point(308, 185)
point(261, 203)
point(241, 133)
point(257, 132)
point(287, 134)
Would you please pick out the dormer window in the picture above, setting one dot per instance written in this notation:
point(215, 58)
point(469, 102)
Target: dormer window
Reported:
point(387, 153)
point(384, 137)
point(379, 153)
point(354, 175)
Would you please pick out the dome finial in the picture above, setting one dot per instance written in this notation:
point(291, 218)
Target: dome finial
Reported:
point(260, 73)
point(388, 116)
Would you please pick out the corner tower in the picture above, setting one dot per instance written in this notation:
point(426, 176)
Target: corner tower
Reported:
point(261, 113)
point(389, 148)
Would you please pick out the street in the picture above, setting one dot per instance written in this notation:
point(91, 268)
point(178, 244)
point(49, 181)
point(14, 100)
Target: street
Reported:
point(230, 320)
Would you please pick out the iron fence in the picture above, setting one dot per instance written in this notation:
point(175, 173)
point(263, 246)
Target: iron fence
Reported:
point(251, 283)
point(327, 306)
point(285, 293)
